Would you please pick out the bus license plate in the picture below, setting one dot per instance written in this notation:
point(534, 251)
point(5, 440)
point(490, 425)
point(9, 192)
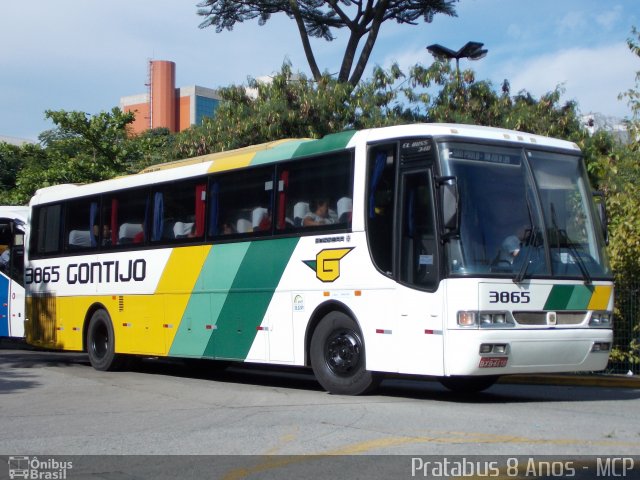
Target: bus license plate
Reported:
point(493, 362)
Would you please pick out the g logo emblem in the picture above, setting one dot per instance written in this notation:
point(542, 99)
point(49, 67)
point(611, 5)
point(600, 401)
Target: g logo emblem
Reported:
point(327, 263)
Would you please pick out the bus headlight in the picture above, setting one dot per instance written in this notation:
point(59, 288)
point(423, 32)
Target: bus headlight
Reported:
point(467, 319)
point(485, 319)
point(601, 320)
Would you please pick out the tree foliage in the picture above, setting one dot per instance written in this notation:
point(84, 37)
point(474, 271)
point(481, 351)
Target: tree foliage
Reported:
point(292, 105)
point(618, 169)
point(82, 148)
point(320, 19)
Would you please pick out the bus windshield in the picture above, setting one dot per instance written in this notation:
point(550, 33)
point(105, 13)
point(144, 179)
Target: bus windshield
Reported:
point(524, 213)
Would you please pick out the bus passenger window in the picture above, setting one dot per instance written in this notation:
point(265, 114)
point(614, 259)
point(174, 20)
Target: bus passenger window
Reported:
point(241, 203)
point(81, 224)
point(126, 214)
point(45, 239)
point(317, 193)
point(178, 211)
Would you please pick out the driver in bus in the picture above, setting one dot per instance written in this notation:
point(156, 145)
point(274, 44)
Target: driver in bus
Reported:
point(509, 250)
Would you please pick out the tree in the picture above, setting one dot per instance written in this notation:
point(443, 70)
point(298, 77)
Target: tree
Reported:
point(319, 19)
point(100, 139)
point(293, 106)
point(85, 148)
point(13, 158)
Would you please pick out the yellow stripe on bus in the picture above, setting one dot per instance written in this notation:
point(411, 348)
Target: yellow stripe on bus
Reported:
point(600, 297)
point(177, 283)
point(230, 163)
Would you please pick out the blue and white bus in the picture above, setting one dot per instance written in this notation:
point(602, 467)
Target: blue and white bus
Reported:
point(12, 229)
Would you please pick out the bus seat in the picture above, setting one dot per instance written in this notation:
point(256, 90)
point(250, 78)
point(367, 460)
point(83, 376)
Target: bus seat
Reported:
point(258, 216)
point(182, 229)
point(128, 231)
point(300, 211)
point(243, 226)
point(345, 209)
point(79, 238)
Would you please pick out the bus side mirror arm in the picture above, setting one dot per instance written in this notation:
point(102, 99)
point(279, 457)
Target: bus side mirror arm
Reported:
point(602, 213)
point(450, 201)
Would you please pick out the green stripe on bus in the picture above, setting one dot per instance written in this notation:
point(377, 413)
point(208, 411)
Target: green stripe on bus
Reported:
point(249, 297)
point(580, 298)
point(281, 152)
point(207, 299)
point(336, 141)
point(569, 297)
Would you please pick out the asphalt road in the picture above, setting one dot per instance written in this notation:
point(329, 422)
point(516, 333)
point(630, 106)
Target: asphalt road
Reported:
point(54, 403)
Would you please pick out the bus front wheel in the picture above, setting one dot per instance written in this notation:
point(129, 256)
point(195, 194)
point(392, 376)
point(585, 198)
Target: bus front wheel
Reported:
point(338, 356)
point(101, 342)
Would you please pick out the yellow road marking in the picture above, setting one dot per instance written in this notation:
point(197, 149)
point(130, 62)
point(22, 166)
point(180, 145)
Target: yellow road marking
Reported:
point(436, 437)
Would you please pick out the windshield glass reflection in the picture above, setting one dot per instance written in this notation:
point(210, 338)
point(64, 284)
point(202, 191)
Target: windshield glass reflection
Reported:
point(514, 226)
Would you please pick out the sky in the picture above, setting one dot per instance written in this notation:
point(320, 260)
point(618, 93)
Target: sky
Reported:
point(85, 55)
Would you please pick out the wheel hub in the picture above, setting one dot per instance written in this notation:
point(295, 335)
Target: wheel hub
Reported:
point(343, 351)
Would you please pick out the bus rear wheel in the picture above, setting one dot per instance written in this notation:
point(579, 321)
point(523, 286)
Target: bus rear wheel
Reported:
point(101, 343)
point(338, 356)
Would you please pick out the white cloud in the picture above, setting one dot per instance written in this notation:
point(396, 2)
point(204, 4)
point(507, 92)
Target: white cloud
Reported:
point(592, 77)
point(608, 19)
point(572, 21)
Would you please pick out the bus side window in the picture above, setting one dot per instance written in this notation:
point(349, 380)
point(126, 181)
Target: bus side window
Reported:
point(178, 211)
point(242, 203)
point(81, 224)
point(317, 193)
point(124, 218)
point(45, 240)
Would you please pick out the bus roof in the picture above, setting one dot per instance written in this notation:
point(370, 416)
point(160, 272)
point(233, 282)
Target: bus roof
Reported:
point(286, 149)
point(14, 212)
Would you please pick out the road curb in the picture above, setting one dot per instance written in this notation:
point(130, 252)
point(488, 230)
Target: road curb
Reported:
point(595, 380)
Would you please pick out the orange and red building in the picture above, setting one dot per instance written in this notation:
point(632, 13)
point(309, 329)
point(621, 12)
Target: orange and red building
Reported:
point(165, 106)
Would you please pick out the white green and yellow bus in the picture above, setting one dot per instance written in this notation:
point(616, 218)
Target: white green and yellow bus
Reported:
point(453, 251)
point(13, 220)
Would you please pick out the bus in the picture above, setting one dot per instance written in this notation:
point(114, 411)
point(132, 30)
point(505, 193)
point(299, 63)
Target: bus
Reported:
point(438, 250)
point(13, 222)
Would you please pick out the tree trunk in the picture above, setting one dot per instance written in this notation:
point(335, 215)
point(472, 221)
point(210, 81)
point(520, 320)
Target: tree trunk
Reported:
point(311, 60)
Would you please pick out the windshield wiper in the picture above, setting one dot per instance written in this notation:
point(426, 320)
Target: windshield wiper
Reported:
point(531, 242)
point(563, 237)
point(576, 255)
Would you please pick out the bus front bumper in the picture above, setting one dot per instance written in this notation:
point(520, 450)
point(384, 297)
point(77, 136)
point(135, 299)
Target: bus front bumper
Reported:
point(501, 352)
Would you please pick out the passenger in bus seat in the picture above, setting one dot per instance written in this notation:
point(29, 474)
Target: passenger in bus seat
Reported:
point(5, 259)
point(106, 235)
point(319, 214)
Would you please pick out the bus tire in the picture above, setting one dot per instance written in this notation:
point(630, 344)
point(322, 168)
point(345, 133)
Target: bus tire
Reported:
point(338, 357)
point(101, 343)
point(468, 384)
